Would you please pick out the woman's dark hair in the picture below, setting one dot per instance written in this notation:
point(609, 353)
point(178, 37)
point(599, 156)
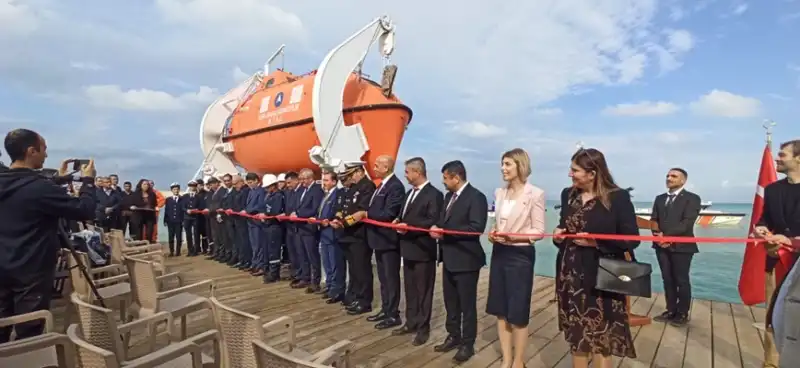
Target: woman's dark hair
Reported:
point(592, 160)
point(139, 186)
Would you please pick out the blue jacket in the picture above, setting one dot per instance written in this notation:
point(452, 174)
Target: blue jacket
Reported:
point(308, 206)
point(255, 201)
point(174, 210)
point(327, 211)
point(274, 204)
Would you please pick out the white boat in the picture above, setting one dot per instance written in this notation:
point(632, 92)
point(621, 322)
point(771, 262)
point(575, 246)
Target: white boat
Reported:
point(707, 217)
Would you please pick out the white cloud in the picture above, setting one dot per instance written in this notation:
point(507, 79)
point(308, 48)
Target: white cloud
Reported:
point(476, 129)
point(239, 75)
point(644, 108)
point(678, 43)
point(548, 111)
point(114, 97)
point(740, 9)
point(81, 65)
point(726, 104)
point(680, 40)
point(17, 18)
point(676, 13)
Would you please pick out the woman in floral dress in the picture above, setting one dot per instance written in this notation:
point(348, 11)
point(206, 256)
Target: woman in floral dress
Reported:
point(594, 322)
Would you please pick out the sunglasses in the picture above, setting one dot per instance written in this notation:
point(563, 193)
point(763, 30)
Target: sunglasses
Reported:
point(582, 150)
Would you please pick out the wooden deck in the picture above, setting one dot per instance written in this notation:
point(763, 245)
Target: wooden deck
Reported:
point(720, 335)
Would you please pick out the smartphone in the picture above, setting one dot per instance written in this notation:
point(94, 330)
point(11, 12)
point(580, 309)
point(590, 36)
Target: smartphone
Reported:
point(77, 164)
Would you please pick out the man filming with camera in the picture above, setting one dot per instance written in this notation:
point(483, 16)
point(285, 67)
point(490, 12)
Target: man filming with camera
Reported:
point(31, 208)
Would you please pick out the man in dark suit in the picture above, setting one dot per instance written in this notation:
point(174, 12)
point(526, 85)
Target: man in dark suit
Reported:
point(465, 210)
point(332, 256)
point(384, 206)
point(216, 194)
point(191, 202)
point(675, 212)
point(308, 201)
point(116, 216)
point(203, 228)
point(242, 234)
point(107, 204)
point(422, 208)
point(295, 254)
point(125, 203)
point(174, 213)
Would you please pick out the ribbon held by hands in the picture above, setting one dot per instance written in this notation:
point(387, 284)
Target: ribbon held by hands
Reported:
point(650, 238)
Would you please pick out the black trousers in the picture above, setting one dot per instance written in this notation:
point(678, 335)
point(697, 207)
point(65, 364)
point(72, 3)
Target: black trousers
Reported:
point(460, 291)
point(245, 250)
point(192, 237)
point(677, 284)
point(126, 225)
point(142, 226)
point(24, 296)
point(388, 262)
point(211, 226)
point(418, 281)
point(231, 250)
point(359, 266)
point(175, 237)
point(201, 234)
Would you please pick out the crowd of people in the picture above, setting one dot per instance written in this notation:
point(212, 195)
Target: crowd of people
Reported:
point(252, 223)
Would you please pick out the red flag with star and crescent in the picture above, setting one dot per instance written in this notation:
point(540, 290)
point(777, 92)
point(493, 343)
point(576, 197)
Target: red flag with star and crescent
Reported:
point(752, 278)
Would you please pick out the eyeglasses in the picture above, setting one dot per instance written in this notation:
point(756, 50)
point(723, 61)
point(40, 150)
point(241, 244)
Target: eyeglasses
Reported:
point(589, 156)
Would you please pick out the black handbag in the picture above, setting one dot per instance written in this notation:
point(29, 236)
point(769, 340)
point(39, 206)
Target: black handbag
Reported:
point(624, 277)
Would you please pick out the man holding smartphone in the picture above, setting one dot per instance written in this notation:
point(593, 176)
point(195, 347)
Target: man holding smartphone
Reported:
point(31, 207)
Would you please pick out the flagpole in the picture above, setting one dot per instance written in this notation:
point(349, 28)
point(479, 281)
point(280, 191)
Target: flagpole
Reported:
point(768, 125)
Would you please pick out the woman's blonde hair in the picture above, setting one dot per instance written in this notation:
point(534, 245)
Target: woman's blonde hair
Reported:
point(523, 161)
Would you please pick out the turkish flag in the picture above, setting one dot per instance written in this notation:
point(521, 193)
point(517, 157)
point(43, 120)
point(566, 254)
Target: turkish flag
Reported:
point(752, 277)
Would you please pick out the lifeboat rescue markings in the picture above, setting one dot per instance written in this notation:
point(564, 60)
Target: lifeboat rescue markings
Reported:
point(297, 94)
point(279, 99)
point(264, 106)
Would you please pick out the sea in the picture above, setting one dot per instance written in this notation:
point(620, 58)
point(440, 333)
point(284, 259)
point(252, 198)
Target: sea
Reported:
point(714, 273)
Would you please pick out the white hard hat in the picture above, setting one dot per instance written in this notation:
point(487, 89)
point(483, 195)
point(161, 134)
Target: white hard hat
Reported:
point(268, 180)
point(282, 177)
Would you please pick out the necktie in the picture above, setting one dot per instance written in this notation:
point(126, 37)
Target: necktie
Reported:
point(322, 205)
point(450, 204)
point(303, 194)
point(410, 200)
point(377, 190)
point(670, 199)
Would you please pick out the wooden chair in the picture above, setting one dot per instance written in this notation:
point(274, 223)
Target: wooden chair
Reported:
point(47, 350)
point(98, 328)
point(239, 329)
point(149, 299)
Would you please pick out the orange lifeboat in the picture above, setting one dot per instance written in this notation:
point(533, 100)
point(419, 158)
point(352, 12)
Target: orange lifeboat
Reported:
point(273, 130)
point(276, 121)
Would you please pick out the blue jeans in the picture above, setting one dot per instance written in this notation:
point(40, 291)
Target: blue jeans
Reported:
point(334, 263)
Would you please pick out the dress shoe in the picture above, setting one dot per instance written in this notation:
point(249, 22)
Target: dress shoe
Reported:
point(464, 353)
point(257, 273)
point(359, 310)
point(389, 323)
point(450, 343)
point(349, 305)
point(244, 267)
point(312, 289)
point(335, 299)
point(377, 317)
point(680, 320)
point(323, 290)
point(664, 317)
point(405, 330)
point(300, 285)
point(270, 279)
point(421, 338)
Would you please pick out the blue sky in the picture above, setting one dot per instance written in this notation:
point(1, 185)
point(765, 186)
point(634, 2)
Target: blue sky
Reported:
point(653, 84)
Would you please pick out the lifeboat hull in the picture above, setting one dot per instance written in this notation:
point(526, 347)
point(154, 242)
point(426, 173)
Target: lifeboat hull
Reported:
point(272, 131)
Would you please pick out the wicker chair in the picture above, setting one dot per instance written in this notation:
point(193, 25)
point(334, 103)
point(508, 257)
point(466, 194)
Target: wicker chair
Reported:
point(98, 328)
point(149, 299)
point(269, 357)
point(90, 356)
point(239, 329)
point(113, 290)
point(47, 350)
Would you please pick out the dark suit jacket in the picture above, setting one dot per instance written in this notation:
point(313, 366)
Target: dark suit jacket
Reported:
point(425, 211)
point(469, 212)
point(327, 211)
point(679, 220)
point(385, 207)
point(174, 210)
point(307, 206)
point(215, 201)
point(191, 203)
point(111, 200)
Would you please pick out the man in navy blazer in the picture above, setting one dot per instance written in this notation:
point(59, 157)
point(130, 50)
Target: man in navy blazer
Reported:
point(385, 206)
point(307, 199)
point(333, 260)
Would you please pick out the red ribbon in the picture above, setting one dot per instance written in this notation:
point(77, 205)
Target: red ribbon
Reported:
point(651, 238)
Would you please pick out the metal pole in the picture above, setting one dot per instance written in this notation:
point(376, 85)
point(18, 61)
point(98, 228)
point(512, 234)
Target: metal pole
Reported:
point(768, 125)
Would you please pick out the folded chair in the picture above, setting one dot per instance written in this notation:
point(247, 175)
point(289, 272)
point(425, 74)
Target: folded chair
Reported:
point(47, 350)
point(98, 328)
point(239, 330)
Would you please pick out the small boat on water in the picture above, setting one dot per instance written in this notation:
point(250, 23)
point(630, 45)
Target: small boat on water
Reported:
point(707, 216)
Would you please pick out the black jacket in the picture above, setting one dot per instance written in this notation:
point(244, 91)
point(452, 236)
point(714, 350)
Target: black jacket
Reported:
point(30, 207)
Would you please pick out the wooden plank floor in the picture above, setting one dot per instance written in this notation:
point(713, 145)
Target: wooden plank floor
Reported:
point(719, 334)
